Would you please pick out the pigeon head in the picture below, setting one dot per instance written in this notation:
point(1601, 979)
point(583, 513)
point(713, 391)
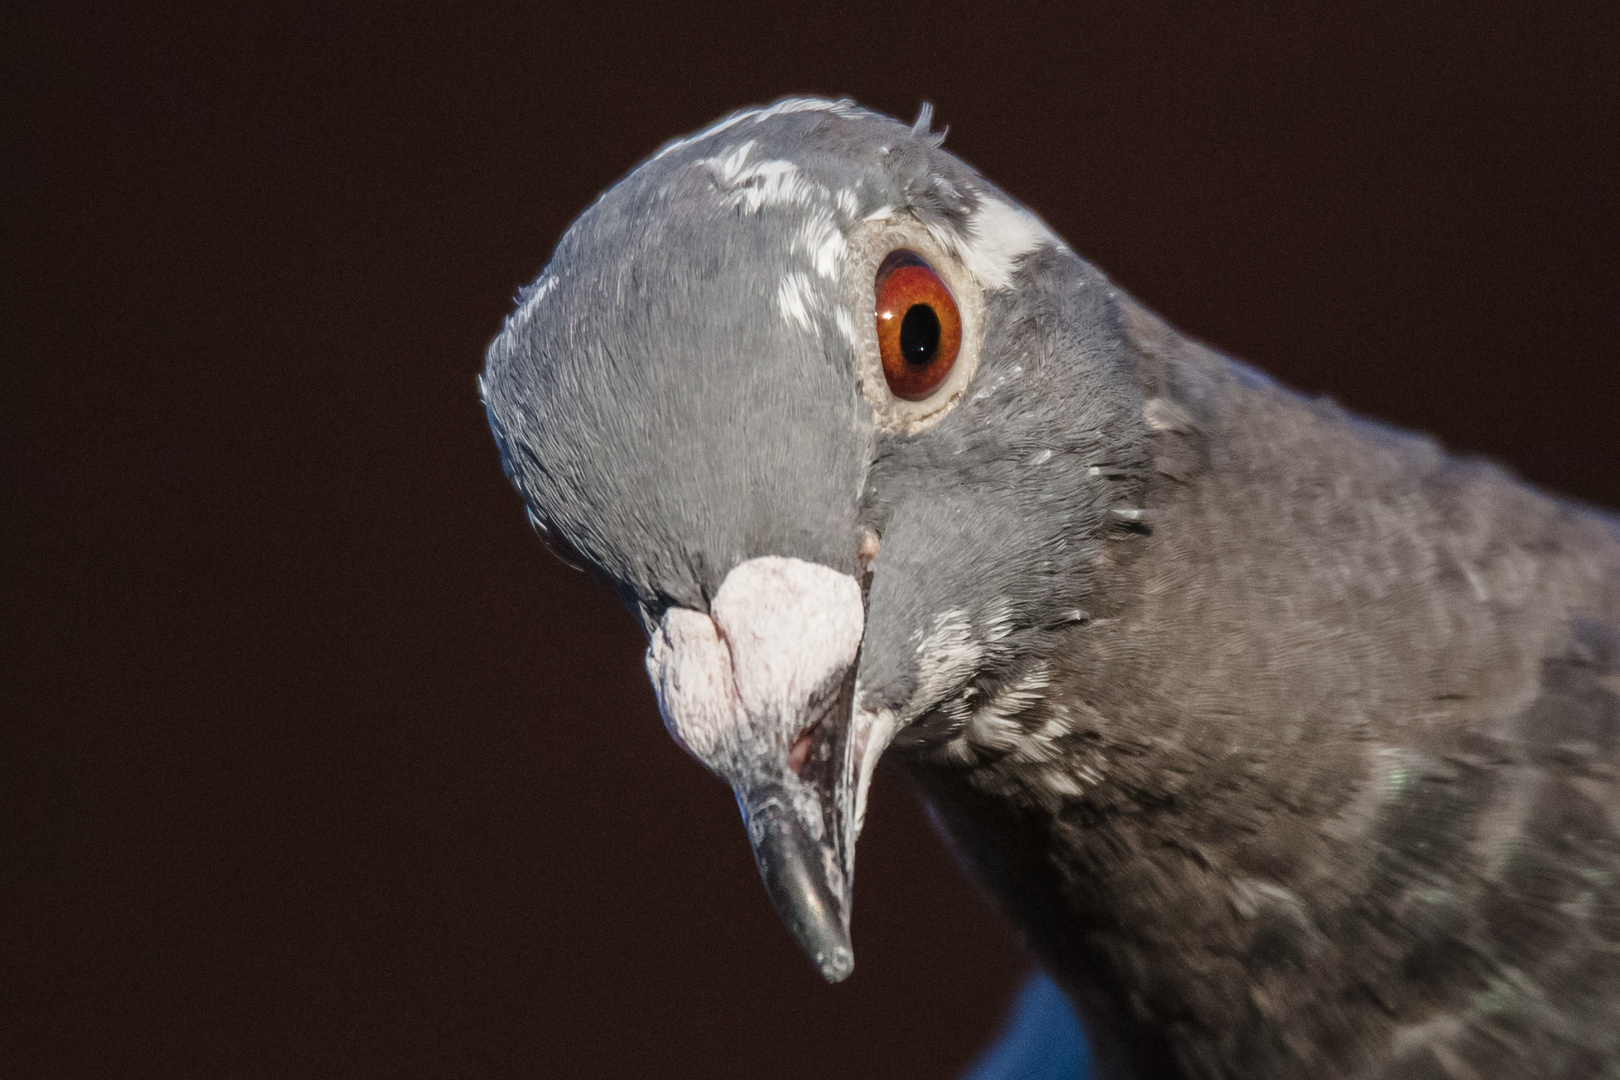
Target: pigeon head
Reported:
point(849, 431)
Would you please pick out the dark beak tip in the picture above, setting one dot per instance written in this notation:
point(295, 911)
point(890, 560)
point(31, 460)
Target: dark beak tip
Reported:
point(819, 932)
point(794, 869)
point(836, 964)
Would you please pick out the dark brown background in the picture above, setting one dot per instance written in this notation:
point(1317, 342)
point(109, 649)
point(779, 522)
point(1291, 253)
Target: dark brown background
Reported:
point(319, 767)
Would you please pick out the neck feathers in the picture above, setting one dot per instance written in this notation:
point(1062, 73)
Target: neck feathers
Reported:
point(1284, 700)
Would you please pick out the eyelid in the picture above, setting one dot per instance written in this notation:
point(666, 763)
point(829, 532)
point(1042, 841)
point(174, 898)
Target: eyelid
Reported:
point(893, 261)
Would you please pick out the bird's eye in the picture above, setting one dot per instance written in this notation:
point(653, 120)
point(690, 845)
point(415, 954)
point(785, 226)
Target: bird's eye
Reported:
point(918, 328)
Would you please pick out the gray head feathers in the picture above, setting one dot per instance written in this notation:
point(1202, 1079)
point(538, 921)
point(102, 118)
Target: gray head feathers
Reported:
point(685, 388)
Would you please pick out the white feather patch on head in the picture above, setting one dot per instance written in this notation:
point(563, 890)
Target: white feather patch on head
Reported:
point(772, 182)
point(538, 290)
point(841, 107)
point(788, 105)
point(998, 236)
point(821, 241)
point(846, 327)
point(776, 183)
point(796, 298)
point(727, 168)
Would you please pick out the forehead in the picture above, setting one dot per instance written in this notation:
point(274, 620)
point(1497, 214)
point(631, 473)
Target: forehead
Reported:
point(804, 153)
point(675, 395)
point(783, 182)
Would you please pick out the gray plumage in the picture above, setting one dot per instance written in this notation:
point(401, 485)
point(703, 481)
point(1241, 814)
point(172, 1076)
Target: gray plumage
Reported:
point(1289, 741)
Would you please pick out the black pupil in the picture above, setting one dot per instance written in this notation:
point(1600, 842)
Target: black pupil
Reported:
point(919, 335)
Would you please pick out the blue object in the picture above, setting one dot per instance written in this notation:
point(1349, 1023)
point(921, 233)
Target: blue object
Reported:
point(1042, 1040)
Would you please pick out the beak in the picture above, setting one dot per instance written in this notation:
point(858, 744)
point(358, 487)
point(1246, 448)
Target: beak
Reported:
point(762, 691)
point(801, 833)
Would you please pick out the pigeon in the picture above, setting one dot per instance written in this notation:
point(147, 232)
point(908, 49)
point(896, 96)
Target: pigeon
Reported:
point(1286, 740)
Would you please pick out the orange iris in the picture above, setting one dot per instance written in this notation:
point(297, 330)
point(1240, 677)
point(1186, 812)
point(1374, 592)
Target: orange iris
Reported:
point(918, 327)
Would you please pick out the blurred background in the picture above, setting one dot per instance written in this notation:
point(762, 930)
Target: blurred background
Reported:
point(317, 765)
